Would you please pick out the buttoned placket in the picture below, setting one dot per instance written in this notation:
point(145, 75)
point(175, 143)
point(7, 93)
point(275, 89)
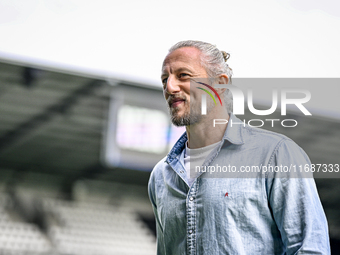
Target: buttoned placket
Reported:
point(191, 218)
point(178, 167)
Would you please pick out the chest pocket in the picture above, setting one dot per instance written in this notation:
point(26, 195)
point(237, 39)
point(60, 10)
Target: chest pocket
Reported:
point(237, 196)
point(245, 205)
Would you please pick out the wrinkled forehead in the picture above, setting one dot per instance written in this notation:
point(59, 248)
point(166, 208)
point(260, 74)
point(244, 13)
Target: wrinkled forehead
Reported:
point(183, 55)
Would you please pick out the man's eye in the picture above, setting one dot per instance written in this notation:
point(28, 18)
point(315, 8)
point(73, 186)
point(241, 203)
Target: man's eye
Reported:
point(181, 75)
point(164, 81)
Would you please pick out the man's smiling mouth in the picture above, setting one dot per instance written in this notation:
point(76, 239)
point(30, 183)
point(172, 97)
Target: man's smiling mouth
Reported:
point(174, 102)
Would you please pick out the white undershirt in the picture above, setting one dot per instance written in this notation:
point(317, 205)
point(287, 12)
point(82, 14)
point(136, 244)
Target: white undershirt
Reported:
point(196, 157)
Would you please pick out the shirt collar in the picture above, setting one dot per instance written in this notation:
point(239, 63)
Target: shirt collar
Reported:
point(178, 148)
point(233, 134)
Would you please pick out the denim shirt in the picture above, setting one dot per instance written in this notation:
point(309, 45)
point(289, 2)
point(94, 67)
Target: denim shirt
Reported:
point(260, 214)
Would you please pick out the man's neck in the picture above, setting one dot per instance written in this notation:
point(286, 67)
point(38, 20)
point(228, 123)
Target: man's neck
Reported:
point(204, 133)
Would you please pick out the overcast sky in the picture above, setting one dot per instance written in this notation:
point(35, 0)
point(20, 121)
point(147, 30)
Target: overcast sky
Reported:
point(129, 39)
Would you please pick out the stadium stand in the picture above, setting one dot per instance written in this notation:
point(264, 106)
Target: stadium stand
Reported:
point(19, 237)
point(76, 227)
point(90, 228)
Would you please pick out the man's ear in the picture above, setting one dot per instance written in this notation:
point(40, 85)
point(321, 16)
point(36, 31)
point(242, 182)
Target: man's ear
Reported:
point(222, 79)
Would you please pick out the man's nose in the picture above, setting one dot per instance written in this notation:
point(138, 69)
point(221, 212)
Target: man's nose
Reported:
point(172, 85)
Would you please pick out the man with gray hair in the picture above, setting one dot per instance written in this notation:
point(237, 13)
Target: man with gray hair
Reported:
point(196, 214)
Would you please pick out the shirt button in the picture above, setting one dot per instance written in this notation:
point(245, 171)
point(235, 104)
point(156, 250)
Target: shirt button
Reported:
point(190, 231)
point(191, 198)
point(182, 171)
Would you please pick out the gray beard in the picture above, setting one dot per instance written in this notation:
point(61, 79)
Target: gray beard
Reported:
point(188, 118)
point(191, 116)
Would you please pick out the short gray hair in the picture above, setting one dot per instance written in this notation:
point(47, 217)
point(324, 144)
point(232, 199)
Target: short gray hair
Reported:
point(214, 62)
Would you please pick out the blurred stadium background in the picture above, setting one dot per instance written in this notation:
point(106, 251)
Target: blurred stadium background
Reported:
point(76, 148)
point(76, 153)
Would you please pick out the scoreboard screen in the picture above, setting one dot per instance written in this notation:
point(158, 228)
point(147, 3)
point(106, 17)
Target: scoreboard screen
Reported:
point(139, 132)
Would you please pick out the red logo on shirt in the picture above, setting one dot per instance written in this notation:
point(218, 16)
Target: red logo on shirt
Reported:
point(226, 194)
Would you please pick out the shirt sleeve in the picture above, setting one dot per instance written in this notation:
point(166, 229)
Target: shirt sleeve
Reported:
point(159, 229)
point(295, 203)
